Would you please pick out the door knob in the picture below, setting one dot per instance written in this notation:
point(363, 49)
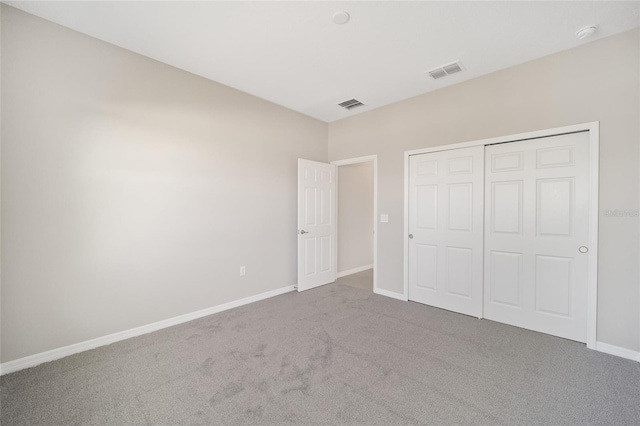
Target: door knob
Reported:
point(411, 236)
point(303, 232)
point(583, 249)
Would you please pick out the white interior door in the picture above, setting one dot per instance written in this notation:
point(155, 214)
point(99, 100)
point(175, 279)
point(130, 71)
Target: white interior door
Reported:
point(445, 227)
point(316, 224)
point(536, 233)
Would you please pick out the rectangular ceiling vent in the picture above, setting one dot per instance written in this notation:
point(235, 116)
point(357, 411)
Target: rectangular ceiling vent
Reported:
point(351, 104)
point(445, 70)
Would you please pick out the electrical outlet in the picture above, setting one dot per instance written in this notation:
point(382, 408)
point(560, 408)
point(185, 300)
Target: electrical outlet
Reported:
point(243, 271)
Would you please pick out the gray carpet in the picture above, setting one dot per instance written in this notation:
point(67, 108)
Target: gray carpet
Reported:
point(362, 280)
point(332, 355)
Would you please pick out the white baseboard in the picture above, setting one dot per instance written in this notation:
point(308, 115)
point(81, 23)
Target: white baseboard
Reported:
point(354, 270)
point(52, 355)
point(33, 360)
point(391, 294)
point(618, 351)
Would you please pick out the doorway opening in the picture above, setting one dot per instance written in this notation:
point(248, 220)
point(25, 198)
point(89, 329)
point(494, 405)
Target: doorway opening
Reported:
point(356, 220)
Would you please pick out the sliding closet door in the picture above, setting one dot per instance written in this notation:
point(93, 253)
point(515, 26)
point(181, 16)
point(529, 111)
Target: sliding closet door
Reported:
point(536, 234)
point(445, 226)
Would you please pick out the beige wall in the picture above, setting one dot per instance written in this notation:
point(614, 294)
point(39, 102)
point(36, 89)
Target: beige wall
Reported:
point(132, 191)
point(355, 216)
point(598, 81)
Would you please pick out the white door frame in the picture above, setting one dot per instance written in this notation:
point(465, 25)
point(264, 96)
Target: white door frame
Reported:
point(594, 150)
point(356, 160)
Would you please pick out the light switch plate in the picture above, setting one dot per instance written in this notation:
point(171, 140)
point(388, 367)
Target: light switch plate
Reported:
point(384, 218)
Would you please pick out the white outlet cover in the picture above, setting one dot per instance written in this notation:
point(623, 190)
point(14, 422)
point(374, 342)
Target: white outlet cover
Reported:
point(384, 218)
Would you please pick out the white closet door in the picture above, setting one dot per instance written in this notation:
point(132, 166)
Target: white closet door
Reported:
point(536, 230)
point(445, 226)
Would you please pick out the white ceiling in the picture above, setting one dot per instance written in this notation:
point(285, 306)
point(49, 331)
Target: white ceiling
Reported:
point(291, 53)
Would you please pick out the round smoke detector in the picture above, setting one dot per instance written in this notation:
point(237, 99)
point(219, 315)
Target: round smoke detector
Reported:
point(587, 31)
point(341, 17)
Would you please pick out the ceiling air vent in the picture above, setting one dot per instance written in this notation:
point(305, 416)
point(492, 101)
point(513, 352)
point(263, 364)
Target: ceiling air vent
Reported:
point(351, 104)
point(437, 73)
point(445, 70)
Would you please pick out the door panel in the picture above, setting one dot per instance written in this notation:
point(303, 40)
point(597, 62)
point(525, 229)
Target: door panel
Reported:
point(555, 206)
point(427, 205)
point(316, 224)
point(536, 216)
point(553, 285)
point(506, 278)
point(459, 273)
point(507, 207)
point(460, 206)
point(426, 266)
point(445, 220)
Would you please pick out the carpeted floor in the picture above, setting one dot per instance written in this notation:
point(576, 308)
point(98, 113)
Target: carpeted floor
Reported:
point(362, 280)
point(332, 355)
